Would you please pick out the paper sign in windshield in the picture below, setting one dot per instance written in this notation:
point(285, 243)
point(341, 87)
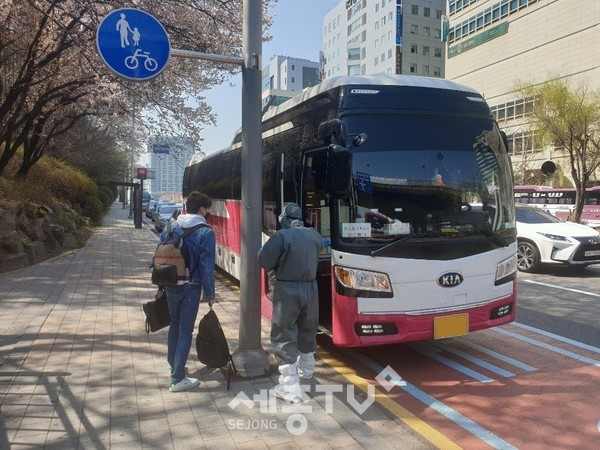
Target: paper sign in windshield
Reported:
point(354, 230)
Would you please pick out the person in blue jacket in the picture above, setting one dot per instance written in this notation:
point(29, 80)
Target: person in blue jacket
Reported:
point(293, 254)
point(184, 300)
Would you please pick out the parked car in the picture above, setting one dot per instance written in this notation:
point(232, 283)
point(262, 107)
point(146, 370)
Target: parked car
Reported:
point(146, 197)
point(165, 213)
point(544, 239)
point(151, 208)
point(154, 209)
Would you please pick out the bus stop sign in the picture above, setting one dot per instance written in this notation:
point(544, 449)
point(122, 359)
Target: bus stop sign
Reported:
point(133, 44)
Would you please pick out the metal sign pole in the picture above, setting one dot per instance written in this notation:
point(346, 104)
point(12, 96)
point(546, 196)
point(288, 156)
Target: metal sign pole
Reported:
point(250, 359)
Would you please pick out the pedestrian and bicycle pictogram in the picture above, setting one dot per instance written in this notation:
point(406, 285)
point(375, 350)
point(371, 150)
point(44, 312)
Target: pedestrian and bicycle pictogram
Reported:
point(133, 44)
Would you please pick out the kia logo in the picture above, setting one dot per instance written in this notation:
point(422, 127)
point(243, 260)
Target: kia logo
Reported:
point(450, 279)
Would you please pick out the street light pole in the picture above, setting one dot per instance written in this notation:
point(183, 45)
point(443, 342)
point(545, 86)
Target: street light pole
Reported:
point(132, 195)
point(250, 359)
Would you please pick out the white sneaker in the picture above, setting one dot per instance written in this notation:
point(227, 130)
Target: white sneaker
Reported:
point(186, 383)
point(282, 393)
point(305, 374)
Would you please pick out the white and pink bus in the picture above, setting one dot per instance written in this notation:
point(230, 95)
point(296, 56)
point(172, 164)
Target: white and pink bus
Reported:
point(560, 202)
point(408, 181)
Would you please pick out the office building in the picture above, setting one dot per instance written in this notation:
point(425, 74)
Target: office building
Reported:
point(168, 158)
point(492, 44)
point(362, 37)
point(285, 77)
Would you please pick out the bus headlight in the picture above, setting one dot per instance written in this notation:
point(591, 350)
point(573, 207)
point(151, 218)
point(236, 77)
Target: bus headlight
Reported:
point(362, 283)
point(506, 270)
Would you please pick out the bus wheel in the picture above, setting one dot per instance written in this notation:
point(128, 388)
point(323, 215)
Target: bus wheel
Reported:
point(528, 257)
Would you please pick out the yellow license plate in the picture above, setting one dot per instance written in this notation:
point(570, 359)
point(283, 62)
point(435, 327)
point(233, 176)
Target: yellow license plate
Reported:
point(450, 326)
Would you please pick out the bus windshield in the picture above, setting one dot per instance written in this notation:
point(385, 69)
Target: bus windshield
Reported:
point(440, 178)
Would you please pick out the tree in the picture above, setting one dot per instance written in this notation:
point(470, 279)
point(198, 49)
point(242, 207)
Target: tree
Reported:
point(569, 117)
point(52, 76)
point(90, 147)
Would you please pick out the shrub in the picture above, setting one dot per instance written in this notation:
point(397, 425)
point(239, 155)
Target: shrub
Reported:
point(31, 211)
point(112, 189)
point(93, 209)
point(63, 181)
point(105, 198)
point(109, 192)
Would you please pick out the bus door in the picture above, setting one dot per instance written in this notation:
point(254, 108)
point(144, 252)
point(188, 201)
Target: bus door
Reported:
point(315, 206)
point(315, 201)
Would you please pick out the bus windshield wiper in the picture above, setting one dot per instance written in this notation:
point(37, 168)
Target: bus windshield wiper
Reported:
point(402, 239)
point(495, 237)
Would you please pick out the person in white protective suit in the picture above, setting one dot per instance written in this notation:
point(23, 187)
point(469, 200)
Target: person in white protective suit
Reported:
point(293, 254)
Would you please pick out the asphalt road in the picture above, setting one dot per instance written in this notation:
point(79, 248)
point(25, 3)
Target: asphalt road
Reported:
point(562, 301)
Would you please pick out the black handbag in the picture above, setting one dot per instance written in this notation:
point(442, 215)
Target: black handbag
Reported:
point(157, 312)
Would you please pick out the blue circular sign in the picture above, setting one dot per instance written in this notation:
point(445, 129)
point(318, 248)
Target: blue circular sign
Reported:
point(133, 44)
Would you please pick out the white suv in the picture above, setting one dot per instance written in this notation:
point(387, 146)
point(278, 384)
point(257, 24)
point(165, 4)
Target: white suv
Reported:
point(544, 239)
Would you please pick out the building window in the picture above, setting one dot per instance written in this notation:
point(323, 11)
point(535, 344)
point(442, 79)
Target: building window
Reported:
point(496, 13)
point(425, 70)
point(376, 60)
point(414, 29)
point(354, 70)
point(293, 67)
point(437, 33)
point(293, 79)
point(498, 10)
point(413, 68)
point(354, 54)
point(414, 9)
point(437, 72)
point(437, 52)
point(413, 48)
point(425, 50)
point(426, 31)
point(427, 11)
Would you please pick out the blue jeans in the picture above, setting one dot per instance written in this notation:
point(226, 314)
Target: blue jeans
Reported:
point(184, 303)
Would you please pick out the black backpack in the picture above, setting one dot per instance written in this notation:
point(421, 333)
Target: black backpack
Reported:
point(211, 344)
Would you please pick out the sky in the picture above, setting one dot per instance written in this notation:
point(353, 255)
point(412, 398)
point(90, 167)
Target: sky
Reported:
point(296, 32)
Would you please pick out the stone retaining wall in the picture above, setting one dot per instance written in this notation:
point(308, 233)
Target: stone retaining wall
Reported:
point(31, 233)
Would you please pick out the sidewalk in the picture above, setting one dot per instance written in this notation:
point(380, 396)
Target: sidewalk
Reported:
point(77, 369)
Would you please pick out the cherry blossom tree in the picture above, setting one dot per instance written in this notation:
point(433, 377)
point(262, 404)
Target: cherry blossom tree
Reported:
point(51, 75)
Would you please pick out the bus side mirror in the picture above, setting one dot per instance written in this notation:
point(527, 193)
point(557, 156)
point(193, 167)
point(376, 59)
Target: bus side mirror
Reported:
point(332, 131)
point(504, 140)
point(339, 170)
